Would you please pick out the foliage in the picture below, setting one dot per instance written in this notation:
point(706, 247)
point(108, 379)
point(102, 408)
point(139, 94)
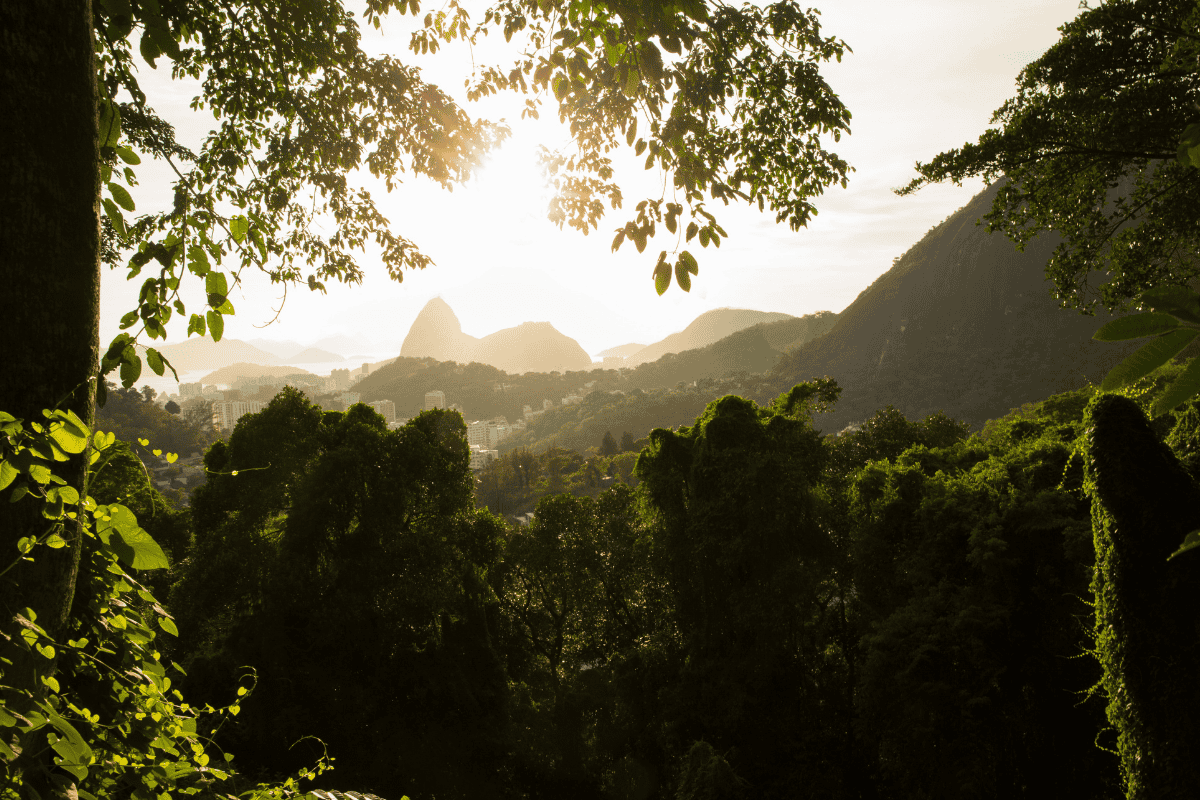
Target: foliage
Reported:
point(132, 418)
point(354, 575)
point(107, 718)
point(970, 561)
point(580, 601)
point(1104, 108)
point(1174, 321)
point(736, 524)
point(1143, 501)
point(736, 111)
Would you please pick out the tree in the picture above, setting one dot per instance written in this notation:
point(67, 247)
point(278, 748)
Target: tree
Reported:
point(748, 563)
point(608, 445)
point(1069, 154)
point(172, 407)
point(734, 112)
point(1104, 108)
point(627, 445)
point(1143, 502)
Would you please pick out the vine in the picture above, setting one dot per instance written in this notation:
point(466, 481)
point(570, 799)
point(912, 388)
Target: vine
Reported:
point(107, 714)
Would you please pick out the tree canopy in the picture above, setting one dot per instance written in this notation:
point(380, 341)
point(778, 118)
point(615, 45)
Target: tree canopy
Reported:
point(727, 101)
point(1091, 148)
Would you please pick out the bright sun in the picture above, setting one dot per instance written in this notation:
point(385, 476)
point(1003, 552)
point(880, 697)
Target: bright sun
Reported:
point(511, 182)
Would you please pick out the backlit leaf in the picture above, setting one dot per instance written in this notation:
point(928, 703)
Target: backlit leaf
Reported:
point(1149, 358)
point(1182, 389)
point(122, 197)
point(216, 325)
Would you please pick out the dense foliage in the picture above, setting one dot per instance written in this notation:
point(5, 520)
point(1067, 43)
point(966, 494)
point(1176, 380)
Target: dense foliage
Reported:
point(899, 610)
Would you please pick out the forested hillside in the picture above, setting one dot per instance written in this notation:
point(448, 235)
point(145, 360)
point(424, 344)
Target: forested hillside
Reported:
point(963, 323)
point(913, 593)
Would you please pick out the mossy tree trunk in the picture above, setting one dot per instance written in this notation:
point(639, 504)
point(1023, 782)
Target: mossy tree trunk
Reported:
point(49, 279)
point(1147, 608)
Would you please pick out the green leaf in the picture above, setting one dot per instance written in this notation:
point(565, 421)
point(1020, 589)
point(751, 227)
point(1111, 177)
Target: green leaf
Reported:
point(216, 325)
point(117, 527)
point(155, 361)
point(682, 277)
point(131, 367)
point(121, 196)
point(690, 261)
point(128, 156)
point(8, 473)
point(196, 325)
point(149, 49)
point(215, 284)
point(110, 124)
point(1190, 542)
point(167, 625)
point(1177, 301)
point(1182, 389)
point(1149, 358)
point(662, 274)
point(238, 226)
point(69, 432)
point(114, 216)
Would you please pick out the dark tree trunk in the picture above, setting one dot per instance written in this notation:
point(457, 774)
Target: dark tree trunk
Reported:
point(49, 279)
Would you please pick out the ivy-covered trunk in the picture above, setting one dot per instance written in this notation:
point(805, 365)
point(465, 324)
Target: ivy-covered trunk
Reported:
point(1147, 608)
point(49, 282)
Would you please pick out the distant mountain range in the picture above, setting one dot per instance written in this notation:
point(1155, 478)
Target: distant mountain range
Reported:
point(622, 351)
point(228, 374)
point(708, 328)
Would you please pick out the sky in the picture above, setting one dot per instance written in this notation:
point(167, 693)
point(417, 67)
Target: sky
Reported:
point(924, 77)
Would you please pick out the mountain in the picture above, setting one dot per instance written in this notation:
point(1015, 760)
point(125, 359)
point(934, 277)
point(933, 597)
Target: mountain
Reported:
point(962, 323)
point(708, 328)
point(282, 350)
point(624, 350)
point(751, 350)
point(203, 353)
point(436, 333)
point(528, 347)
point(228, 374)
point(531, 347)
point(314, 355)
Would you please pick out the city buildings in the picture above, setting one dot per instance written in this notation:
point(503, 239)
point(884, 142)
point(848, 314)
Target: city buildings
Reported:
point(385, 409)
point(435, 399)
point(488, 433)
point(481, 457)
point(226, 413)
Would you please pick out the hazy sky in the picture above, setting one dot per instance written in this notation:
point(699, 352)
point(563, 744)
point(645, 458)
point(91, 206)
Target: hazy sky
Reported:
point(923, 77)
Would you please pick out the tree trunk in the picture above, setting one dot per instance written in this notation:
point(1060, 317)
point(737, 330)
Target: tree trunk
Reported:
point(50, 279)
point(1147, 628)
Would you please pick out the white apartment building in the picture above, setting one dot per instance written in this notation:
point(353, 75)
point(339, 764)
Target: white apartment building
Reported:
point(488, 434)
point(435, 399)
point(481, 457)
point(190, 390)
point(385, 409)
point(225, 414)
